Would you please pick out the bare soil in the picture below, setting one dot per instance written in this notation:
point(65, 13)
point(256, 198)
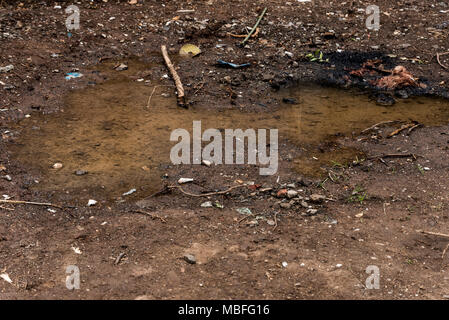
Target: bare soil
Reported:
point(375, 201)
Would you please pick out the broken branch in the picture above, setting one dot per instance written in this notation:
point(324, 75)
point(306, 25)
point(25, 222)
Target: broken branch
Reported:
point(175, 76)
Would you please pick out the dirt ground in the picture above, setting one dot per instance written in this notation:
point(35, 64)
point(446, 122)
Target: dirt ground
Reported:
point(376, 196)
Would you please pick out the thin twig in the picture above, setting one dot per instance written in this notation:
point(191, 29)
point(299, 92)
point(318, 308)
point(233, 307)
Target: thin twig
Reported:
point(152, 92)
point(31, 203)
point(119, 258)
point(378, 124)
point(439, 62)
point(244, 35)
point(434, 233)
point(9, 209)
point(402, 128)
point(275, 221)
point(206, 194)
point(255, 27)
point(245, 217)
point(152, 215)
point(395, 155)
point(444, 251)
point(414, 127)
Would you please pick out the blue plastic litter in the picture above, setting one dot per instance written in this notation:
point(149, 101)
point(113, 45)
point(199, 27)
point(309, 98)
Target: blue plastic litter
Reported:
point(73, 75)
point(232, 65)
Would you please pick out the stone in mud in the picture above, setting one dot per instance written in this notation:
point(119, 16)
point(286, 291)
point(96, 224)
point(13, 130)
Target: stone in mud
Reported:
point(190, 258)
point(285, 205)
point(207, 204)
point(80, 172)
point(122, 67)
point(57, 165)
point(304, 204)
point(292, 193)
point(304, 182)
point(317, 197)
point(289, 100)
point(312, 212)
point(385, 100)
point(401, 94)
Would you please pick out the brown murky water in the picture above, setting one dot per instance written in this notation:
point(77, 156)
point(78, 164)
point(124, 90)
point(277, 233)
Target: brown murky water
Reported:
point(107, 130)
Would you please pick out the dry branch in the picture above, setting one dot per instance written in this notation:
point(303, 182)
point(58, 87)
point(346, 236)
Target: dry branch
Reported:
point(175, 76)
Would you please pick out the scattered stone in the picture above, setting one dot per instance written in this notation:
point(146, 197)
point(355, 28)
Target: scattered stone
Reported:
point(289, 100)
point(121, 67)
point(57, 165)
point(285, 205)
point(7, 177)
point(304, 204)
point(207, 204)
point(6, 68)
point(271, 222)
point(402, 94)
point(312, 212)
point(317, 197)
point(189, 258)
point(359, 215)
point(304, 182)
point(244, 211)
point(292, 193)
point(80, 172)
point(284, 264)
point(338, 265)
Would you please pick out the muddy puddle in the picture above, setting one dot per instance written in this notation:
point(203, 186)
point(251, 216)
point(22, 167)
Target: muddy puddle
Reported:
point(107, 131)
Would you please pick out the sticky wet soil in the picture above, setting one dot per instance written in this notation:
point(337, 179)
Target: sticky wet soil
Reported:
point(374, 205)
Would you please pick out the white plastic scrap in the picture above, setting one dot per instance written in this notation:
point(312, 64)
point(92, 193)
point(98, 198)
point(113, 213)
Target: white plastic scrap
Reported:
point(129, 192)
point(91, 202)
point(76, 250)
point(184, 180)
point(6, 277)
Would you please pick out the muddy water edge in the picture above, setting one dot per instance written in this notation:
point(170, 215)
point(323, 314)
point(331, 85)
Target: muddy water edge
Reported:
point(109, 139)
